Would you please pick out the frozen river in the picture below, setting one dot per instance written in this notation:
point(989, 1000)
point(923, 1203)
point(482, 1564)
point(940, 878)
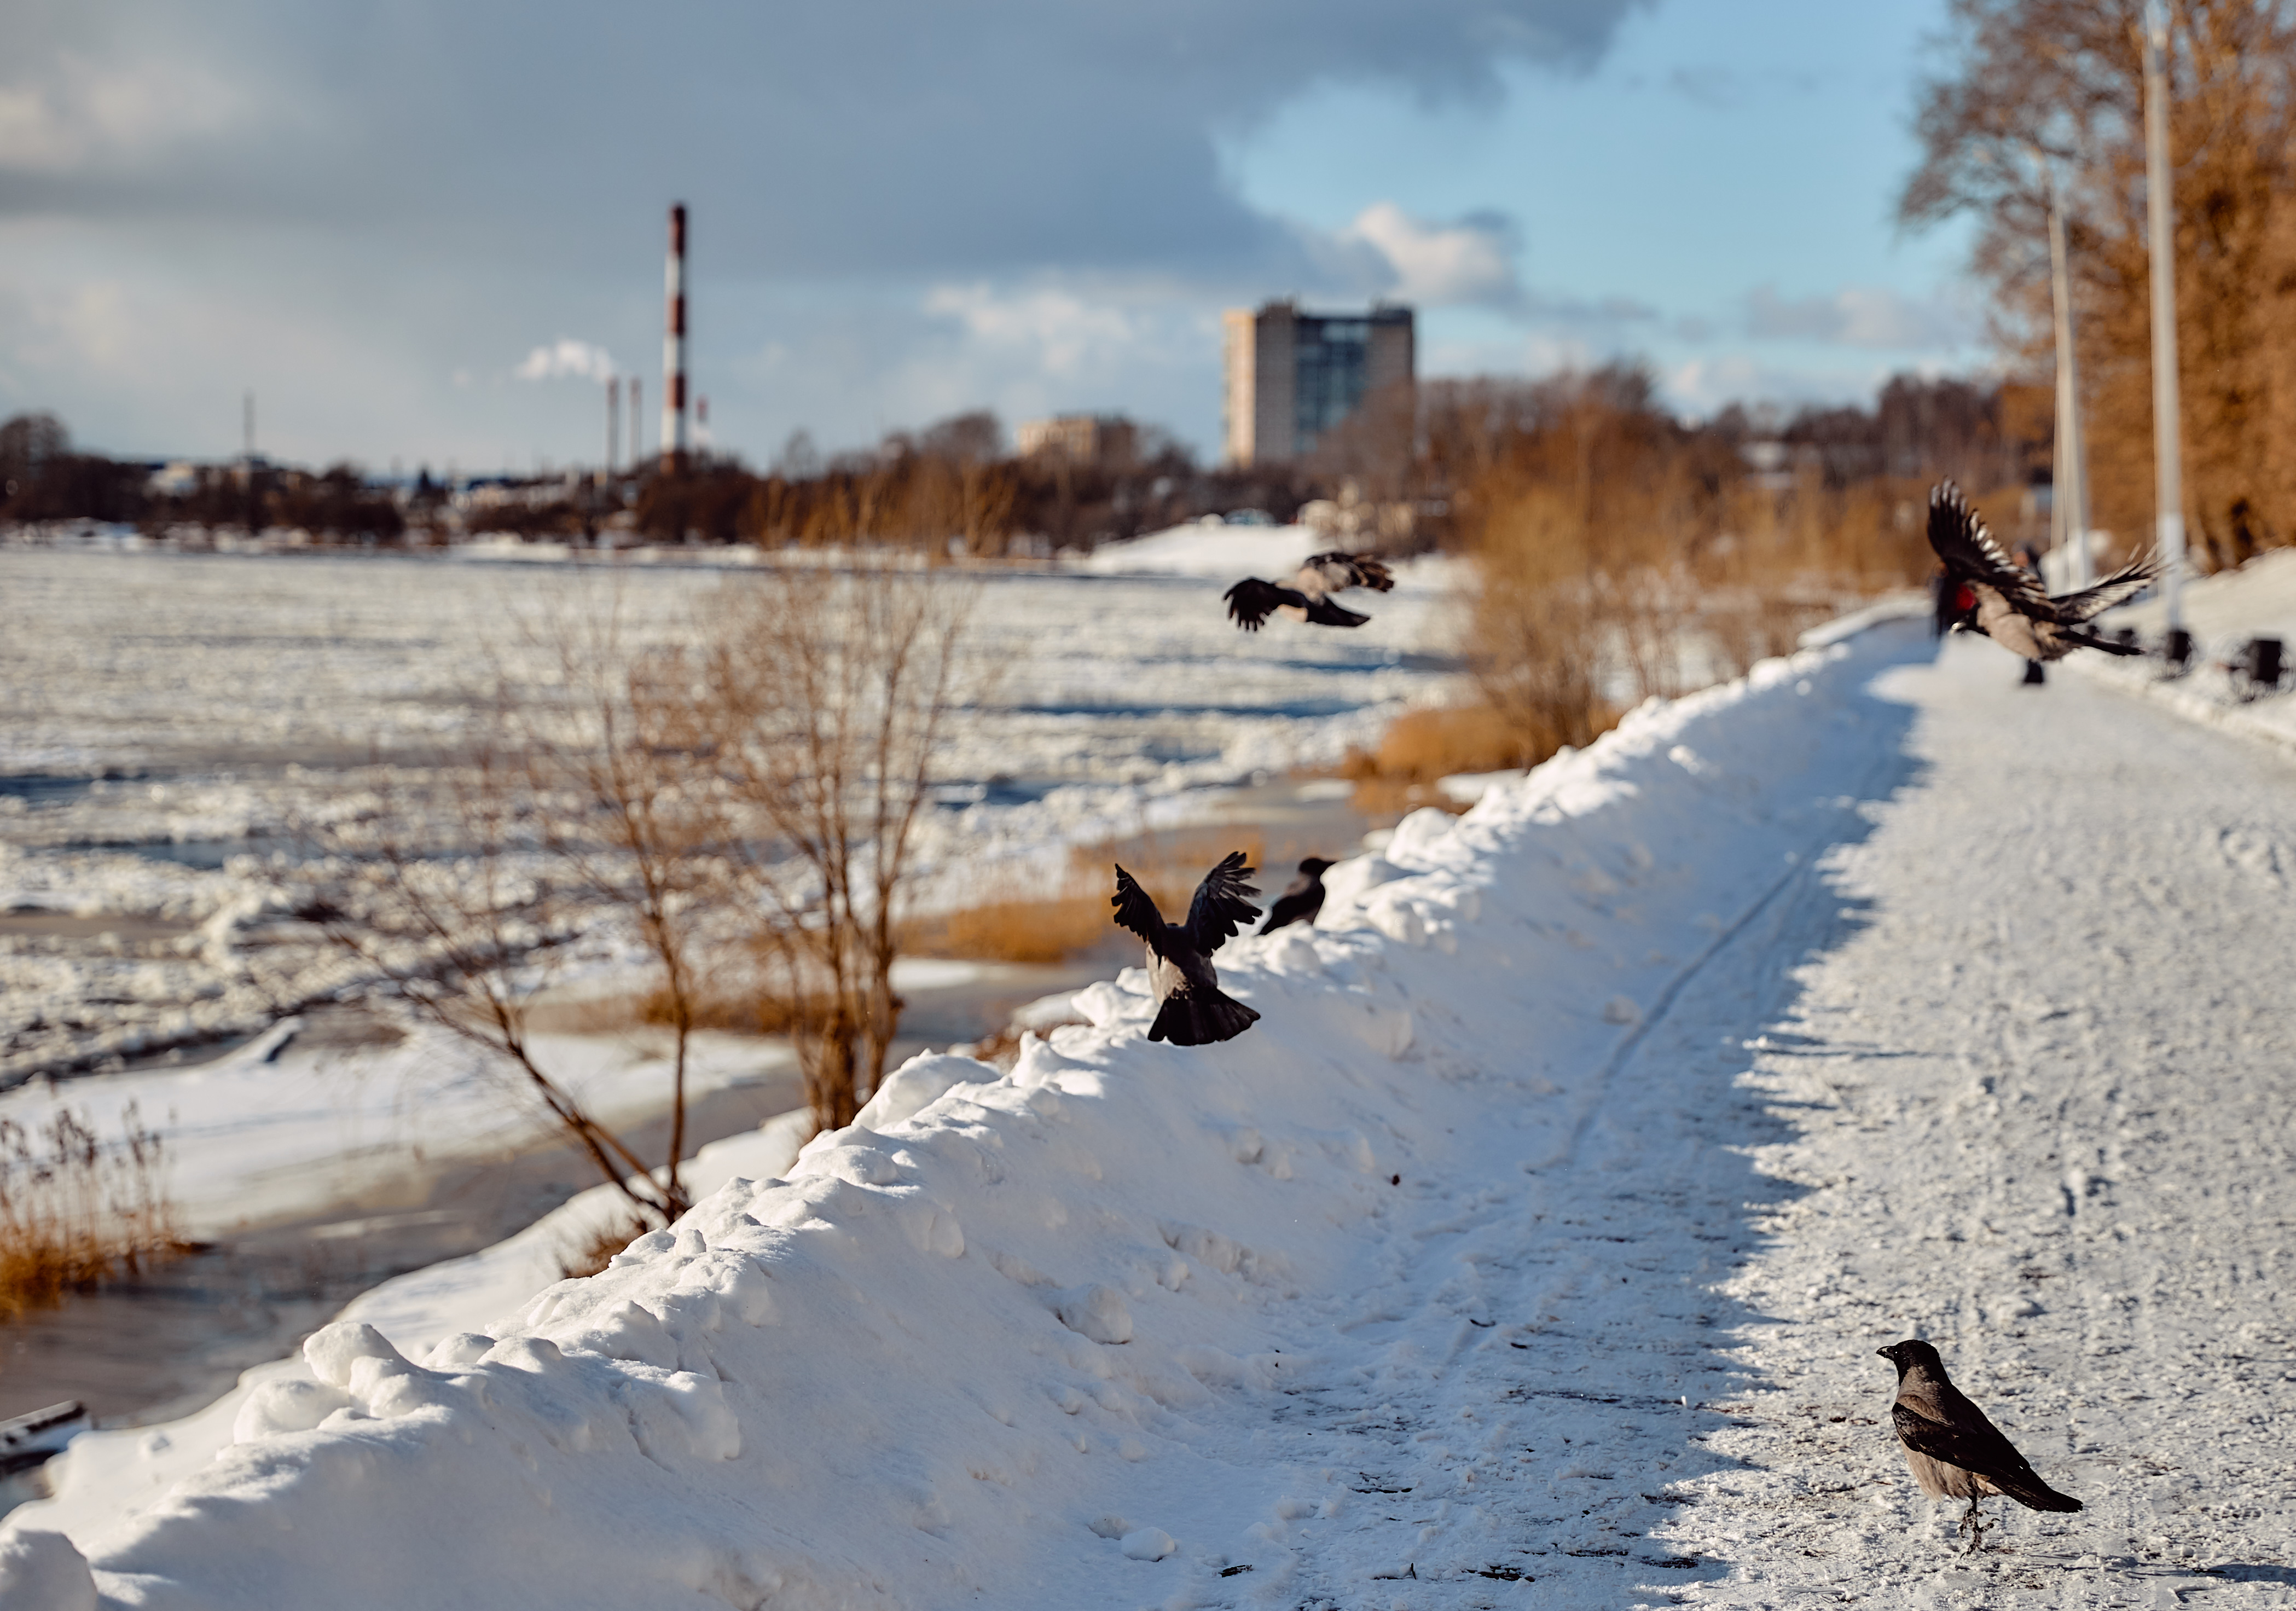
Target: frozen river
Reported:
point(169, 716)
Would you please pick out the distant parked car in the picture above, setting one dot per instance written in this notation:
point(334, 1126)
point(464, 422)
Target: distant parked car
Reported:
point(1250, 517)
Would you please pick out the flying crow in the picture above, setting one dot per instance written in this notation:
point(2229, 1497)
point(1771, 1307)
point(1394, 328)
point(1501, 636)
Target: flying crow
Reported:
point(1991, 594)
point(1307, 595)
point(1193, 1012)
point(1301, 899)
point(1953, 1450)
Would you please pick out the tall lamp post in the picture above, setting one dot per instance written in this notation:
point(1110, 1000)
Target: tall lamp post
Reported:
point(2169, 475)
point(2071, 492)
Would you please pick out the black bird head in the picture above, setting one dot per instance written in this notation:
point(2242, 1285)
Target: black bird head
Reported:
point(1910, 1353)
point(1314, 866)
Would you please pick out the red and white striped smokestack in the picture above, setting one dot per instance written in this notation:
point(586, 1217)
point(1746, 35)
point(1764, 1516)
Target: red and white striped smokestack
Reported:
point(673, 348)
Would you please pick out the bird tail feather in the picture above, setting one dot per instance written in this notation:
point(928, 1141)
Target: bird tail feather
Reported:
point(2111, 645)
point(1199, 1017)
point(2031, 1491)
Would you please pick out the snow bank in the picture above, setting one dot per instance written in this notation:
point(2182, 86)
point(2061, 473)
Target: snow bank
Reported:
point(2223, 613)
point(973, 1349)
point(1200, 549)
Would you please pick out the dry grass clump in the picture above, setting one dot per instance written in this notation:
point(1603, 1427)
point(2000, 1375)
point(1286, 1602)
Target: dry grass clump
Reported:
point(75, 1208)
point(1421, 746)
point(1068, 916)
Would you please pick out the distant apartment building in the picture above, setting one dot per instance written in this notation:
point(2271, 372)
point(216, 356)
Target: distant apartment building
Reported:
point(1292, 375)
point(1081, 438)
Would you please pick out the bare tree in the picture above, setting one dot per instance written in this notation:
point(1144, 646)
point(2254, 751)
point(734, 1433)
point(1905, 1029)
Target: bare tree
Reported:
point(822, 696)
point(574, 810)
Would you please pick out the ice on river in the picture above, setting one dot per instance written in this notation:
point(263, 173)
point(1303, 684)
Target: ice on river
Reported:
point(164, 717)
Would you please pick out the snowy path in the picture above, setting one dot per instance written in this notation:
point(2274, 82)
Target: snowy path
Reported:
point(2034, 1086)
point(1532, 1253)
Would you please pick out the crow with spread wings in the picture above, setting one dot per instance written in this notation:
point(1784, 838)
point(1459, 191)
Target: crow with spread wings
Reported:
point(1988, 592)
point(1191, 1010)
point(1305, 595)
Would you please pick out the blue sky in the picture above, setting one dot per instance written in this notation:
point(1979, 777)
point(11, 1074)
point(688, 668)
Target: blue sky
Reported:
point(422, 234)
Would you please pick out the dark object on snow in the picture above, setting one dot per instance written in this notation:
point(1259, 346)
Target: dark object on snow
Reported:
point(1192, 1010)
point(1301, 899)
point(2034, 675)
point(2177, 651)
point(1999, 599)
point(2127, 638)
point(1306, 595)
point(1953, 1450)
point(30, 1441)
point(2260, 661)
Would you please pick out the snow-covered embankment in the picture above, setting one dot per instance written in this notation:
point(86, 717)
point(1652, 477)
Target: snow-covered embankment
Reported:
point(957, 1355)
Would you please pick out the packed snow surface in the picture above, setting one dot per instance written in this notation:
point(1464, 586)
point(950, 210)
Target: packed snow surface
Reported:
point(1532, 1249)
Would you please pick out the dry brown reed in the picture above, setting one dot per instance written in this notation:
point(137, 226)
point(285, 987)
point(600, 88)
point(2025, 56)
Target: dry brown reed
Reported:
point(1067, 915)
point(75, 1208)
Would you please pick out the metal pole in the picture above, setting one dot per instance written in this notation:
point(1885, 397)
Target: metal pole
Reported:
point(2070, 493)
point(613, 421)
point(673, 346)
point(2169, 478)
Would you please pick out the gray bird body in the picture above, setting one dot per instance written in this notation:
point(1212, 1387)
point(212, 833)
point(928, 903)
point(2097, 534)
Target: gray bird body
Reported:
point(1953, 1451)
point(1988, 593)
point(1306, 593)
point(1191, 1009)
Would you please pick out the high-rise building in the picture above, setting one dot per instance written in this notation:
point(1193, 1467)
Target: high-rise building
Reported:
point(1292, 375)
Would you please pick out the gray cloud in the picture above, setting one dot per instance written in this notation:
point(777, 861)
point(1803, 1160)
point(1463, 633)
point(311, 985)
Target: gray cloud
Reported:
point(882, 137)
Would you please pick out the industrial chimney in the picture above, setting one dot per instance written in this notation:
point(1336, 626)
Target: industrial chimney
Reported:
point(673, 349)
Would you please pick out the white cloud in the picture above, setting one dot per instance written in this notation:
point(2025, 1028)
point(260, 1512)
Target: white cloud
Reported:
point(1703, 385)
point(1055, 329)
point(1860, 316)
point(567, 357)
point(1469, 263)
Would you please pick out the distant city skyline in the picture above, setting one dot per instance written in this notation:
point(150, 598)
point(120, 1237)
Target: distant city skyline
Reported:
point(430, 235)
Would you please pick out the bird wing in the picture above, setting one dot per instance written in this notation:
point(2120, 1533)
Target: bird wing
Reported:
point(1136, 909)
point(1978, 1448)
point(1324, 613)
point(1336, 570)
point(2119, 587)
point(1251, 602)
point(1971, 554)
point(1222, 905)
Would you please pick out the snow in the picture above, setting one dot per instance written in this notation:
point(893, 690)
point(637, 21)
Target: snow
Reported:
point(1540, 1234)
point(1206, 548)
point(2223, 613)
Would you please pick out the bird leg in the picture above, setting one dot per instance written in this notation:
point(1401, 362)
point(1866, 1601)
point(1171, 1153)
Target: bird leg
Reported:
point(1976, 1526)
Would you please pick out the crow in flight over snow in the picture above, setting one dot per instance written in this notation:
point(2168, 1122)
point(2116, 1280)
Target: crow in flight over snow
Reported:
point(1986, 592)
point(1307, 595)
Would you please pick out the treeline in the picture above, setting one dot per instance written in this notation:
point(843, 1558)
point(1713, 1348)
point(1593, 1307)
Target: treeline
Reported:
point(954, 483)
point(2047, 93)
point(42, 478)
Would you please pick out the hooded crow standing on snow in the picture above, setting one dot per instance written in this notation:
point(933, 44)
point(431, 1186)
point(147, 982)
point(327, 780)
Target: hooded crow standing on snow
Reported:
point(1192, 1011)
point(1306, 595)
point(1953, 1450)
point(1991, 594)
point(1301, 899)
